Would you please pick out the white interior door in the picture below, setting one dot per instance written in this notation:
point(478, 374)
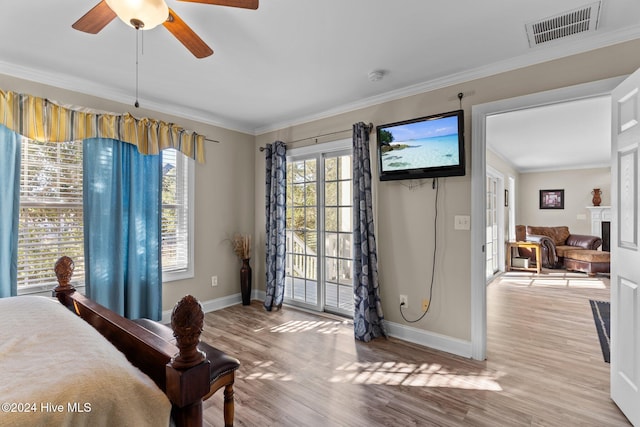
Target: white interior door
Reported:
point(625, 254)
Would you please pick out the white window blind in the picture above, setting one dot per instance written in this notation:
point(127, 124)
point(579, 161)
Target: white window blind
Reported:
point(51, 217)
point(176, 214)
point(51, 222)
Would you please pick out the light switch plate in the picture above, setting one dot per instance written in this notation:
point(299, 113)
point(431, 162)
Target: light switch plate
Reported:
point(462, 222)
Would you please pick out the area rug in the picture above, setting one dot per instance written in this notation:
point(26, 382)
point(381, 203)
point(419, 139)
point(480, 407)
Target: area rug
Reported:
point(600, 311)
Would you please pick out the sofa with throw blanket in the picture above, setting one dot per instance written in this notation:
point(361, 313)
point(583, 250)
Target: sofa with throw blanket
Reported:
point(554, 242)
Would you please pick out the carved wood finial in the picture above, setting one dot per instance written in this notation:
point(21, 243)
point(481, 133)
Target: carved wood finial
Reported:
point(64, 270)
point(187, 321)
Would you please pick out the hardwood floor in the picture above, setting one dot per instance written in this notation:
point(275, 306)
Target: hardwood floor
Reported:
point(544, 366)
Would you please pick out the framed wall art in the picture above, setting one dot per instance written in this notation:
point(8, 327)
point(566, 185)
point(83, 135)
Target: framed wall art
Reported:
point(551, 199)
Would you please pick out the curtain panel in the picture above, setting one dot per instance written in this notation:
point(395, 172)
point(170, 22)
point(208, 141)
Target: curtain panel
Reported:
point(122, 205)
point(368, 317)
point(42, 120)
point(275, 210)
point(9, 210)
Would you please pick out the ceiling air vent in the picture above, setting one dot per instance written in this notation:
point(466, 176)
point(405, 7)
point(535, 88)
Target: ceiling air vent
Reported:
point(581, 20)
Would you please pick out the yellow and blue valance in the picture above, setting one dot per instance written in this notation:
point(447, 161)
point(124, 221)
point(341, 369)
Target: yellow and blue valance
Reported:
point(42, 120)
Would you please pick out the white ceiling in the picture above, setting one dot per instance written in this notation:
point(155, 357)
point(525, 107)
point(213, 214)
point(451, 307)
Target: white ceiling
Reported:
point(291, 61)
point(568, 135)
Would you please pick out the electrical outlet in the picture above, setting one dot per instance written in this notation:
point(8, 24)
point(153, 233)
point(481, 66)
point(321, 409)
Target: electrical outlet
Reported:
point(425, 304)
point(404, 300)
point(214, 280)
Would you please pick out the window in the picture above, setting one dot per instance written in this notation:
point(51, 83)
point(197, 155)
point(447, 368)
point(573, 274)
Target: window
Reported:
point(50, 224)
point(177, 215)
point(51, 217)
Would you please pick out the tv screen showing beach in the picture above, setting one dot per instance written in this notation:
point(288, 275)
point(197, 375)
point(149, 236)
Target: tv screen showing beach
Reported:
point(423, 144)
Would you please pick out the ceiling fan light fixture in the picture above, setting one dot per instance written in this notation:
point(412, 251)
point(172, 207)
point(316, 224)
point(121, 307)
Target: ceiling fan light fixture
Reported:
point(140, 14)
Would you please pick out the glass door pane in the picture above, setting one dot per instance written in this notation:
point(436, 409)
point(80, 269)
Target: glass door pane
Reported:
point(301, 284)
point(319, 231)
point(492, 227)
point(338, 234)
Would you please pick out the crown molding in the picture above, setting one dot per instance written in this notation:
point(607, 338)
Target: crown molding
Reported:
point(92, 88)
point(561, 168)
point(537, 55)
point(534, 56)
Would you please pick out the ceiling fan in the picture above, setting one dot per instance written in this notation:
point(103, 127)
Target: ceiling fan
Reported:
point(147, 14)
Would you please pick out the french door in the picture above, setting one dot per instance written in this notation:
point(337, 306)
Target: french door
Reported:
point(494, 239)
point(319, 228)
point(492, 227)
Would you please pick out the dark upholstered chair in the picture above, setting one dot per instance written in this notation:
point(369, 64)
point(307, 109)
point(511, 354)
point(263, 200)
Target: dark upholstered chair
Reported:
point(554, 242)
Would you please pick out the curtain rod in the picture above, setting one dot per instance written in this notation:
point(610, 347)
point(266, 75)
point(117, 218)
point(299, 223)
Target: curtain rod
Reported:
point(369, 126)
point(212, 140)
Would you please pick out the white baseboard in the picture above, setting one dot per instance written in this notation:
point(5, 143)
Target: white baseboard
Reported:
point(218, 303)
point(429, 339)
point(406, 333)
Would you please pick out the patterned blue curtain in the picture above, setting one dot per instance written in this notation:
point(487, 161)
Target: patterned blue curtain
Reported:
point(9, 210)
point(367, 317)
point(276, 196)
point(122, 228)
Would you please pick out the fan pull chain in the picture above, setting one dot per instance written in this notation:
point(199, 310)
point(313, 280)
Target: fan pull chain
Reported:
point(137, 104)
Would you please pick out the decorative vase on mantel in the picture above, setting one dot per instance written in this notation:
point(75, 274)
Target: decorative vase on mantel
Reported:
point(245, 281)
point(596, 197)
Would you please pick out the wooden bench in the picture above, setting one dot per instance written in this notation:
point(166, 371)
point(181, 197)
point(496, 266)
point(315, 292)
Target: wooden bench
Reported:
point(587, 261)
point(222, 366)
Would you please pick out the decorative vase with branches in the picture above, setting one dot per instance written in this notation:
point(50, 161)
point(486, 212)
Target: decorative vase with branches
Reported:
point(241, 244)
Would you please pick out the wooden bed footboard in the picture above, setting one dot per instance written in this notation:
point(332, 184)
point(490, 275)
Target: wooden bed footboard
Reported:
point(181, 371)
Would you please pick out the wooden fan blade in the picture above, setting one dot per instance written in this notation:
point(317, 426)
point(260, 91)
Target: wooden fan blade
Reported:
point(96, 19)
point(187, 36)
point(245, 4)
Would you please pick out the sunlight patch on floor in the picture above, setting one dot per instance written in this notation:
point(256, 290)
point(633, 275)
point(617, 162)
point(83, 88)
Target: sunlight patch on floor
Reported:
point(388, 374)
point(593, 283)
point(265, 370)
point(562, 283)
point(321, 327)
point(413, 375)
point(559, 280)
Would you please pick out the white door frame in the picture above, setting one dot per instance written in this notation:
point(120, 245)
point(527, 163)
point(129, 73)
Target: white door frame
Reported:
point(478, 172)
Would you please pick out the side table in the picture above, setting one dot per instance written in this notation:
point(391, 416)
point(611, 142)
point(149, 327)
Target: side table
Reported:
point(530, 245)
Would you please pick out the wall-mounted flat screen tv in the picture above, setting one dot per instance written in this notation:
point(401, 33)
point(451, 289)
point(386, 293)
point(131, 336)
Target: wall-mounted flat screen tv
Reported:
point(426, 147)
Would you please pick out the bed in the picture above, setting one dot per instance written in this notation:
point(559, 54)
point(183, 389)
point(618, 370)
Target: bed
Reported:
point(106, 370)
point(98, 386)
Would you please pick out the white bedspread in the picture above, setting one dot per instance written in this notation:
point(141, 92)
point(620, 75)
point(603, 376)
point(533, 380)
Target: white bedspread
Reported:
point(56, 370)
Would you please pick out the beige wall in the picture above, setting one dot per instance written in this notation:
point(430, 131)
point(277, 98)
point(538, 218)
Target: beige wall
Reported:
point(577, 184)
point(230, 192)
point(224, 193)
point(404, 220)
point(404, 216)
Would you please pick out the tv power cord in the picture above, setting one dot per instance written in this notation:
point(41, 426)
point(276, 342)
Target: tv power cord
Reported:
point(435, 186)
